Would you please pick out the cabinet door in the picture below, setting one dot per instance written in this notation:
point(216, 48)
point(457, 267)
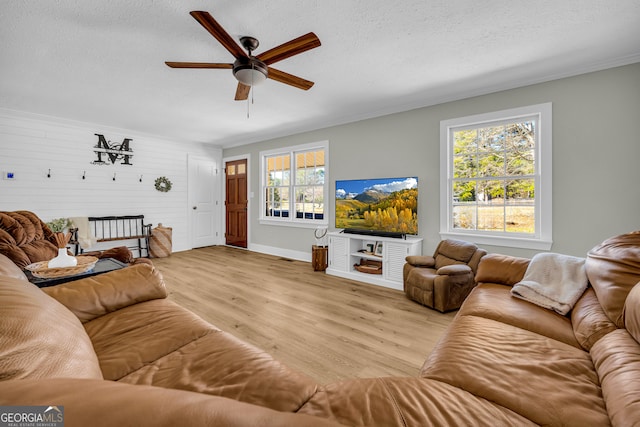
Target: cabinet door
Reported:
point(339, 253)
point(394, 259)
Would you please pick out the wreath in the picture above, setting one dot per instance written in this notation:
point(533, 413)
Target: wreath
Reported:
point(163, 184)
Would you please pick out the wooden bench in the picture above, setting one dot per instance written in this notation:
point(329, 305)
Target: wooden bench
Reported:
point(120, 228)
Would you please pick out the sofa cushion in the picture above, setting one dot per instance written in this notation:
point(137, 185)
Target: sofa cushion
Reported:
point(451, 252)
point(40, 337)
point(220, 364)
point(160, 343)
point(495, 302)
point(389, 402)
point(543, 380)
point(502, 269)
point(96, 296)
point(444, 261)
point(613, 268)
point(137, 335)
point(456, 250)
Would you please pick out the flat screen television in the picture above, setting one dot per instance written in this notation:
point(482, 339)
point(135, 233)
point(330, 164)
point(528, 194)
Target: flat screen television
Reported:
point(379, 205)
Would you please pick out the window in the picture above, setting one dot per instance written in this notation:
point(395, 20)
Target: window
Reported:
point(496, 178)
point(294, 185)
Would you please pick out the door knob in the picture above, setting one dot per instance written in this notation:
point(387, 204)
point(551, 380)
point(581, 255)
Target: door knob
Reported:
point(195, 207)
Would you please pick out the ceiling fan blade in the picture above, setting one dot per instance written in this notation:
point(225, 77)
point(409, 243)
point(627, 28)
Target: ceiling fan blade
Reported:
point(216, 30)
point(290, 48)
point(242, 92)
point(289, 79)
point(197, 65)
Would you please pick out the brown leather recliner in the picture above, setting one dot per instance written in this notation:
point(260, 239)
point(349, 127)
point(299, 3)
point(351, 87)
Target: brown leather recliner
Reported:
point(444, 280)
point(25, 239)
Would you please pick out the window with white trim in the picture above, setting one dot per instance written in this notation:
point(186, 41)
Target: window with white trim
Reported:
point(495, 185)
point(294, 185)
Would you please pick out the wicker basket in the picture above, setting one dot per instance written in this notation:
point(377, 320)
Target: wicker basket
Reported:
point(42, 271)
point(160, 242)
point(369, 266)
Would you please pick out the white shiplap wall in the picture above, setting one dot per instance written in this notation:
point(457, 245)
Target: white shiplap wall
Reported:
point(30, 145)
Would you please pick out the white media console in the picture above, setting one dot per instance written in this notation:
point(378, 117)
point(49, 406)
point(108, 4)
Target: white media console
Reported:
point(346, 250)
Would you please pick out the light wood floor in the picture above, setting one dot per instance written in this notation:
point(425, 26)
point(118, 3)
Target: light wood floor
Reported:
point(327, 327)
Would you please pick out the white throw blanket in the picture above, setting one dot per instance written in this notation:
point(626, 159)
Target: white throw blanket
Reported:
point(85, 236)
point(553, 281)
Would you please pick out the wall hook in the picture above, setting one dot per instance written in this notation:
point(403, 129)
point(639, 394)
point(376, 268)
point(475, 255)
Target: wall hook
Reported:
point(84, 174)
point(114, 176)
point(140, 178)
point(49, 174)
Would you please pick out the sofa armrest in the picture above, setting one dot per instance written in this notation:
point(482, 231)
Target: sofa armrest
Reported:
point(100, 403)
point(453, 270)
point(501, 269)
point(96, 296)
point(421, 261)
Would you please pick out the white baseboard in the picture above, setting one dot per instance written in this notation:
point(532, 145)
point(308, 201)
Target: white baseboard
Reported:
point(285, 253)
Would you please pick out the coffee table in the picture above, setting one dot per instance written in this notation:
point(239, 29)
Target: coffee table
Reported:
point(103, 265)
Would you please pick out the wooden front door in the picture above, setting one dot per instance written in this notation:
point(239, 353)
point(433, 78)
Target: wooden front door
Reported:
point(236, 203)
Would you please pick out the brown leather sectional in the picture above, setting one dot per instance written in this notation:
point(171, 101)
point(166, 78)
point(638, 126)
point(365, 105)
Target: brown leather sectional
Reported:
point(114, 351)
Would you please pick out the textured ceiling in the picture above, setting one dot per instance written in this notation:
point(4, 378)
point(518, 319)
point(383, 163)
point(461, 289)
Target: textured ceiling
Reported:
point(103, 61)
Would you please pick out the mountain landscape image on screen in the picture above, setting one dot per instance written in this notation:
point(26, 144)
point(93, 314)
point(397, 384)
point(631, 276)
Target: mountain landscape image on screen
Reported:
point(384, 204)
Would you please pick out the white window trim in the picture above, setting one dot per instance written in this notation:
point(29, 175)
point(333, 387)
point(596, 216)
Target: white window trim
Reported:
point(291, 221)
point(543, 180)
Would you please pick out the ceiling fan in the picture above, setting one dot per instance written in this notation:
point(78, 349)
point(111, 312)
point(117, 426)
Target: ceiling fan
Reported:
point(251, 70)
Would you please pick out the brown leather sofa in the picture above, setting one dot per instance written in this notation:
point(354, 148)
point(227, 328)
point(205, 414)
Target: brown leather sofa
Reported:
point(506, 362)
point(444, 280)
point(114, 351)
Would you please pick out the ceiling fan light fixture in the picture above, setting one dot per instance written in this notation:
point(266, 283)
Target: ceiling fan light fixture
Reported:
point(251, 70)
point(250, 73)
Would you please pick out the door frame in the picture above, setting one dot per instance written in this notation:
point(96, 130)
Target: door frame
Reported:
point(223, 207)
point(190, 189)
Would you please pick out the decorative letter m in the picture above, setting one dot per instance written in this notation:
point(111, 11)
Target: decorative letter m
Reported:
point(113, 152)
